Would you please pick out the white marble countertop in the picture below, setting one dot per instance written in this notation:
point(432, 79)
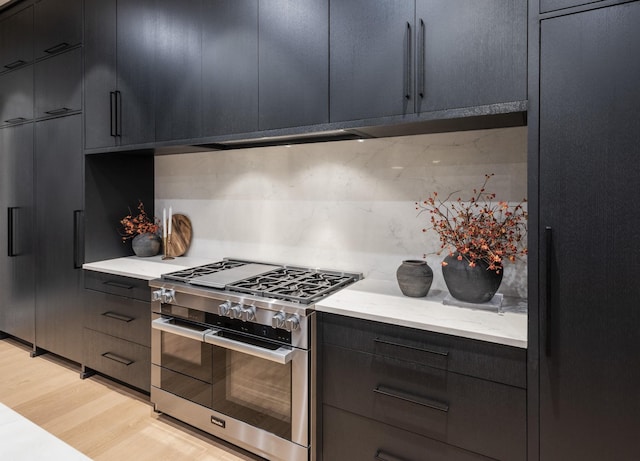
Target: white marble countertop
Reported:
point(382, 301)
point(146, 268)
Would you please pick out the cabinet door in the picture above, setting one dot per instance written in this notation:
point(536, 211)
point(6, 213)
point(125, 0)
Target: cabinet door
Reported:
point(371, 59)
point(589, 169)
point(178, 77)
point(58, 26)
point(294, 59)
point(16, 96)
point(58, 84)
point(17, 257)
point(230, 67)
point(59, 177)
point(16, 39)
point(552, 5)
point(99, 73)
point(136, 35)
point(470, 53)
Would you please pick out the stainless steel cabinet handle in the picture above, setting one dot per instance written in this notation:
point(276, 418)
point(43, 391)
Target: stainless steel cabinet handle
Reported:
point(117, 358)
point(164, 324)
point(422, 401)
point(281, 355)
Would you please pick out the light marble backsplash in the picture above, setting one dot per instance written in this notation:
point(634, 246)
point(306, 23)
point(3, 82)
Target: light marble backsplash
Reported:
point(346, 205)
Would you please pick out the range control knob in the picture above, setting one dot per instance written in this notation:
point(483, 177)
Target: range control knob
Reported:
point(164, 295)
point(292, 323)
point(277, 321)
point(223, 309)
point(248, 313)
point(156, 295)
point(236, 311)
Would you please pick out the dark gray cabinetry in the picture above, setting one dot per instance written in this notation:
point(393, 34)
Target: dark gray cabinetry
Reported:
point(58, 84)
point(389, 58)
point(16, 96)
point(58, 26)
point(117, 328)
point(439, 394)
point(294, 59)
point(230, 67)
point(589, 168)
point(16, 39)
point(59, 236)
point(17, 255)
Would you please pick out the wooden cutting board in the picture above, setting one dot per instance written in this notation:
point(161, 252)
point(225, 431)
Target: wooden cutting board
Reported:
point(181, 233)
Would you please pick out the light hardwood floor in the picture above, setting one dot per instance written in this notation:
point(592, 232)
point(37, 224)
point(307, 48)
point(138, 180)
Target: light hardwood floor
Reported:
point(100, 418)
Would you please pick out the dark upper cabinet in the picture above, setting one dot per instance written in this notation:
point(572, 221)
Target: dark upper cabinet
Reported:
point(16, 96)
point(178, 85)
point(17, 255)
point(58, 84)
point(389, 60)
point(293, 63)
point(230, 67)
point(59, 235)
point(589, 168)
point(16, 39)
point(119, 72)
point(58, 26)
point(470, 53)
point(371, 62)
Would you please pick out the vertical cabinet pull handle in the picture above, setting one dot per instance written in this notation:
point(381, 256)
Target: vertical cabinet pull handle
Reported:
point(112, 113)
point(118, 113)
point(11, 245)
point(548, 242)
point(382, 456)
point(78, 241)
point(421, 59)
point(407, 93)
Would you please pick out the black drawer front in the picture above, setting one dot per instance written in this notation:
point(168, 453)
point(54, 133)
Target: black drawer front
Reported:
point(117, 358)
point(348, 437)
point(481, 359)
point(471, 413)
point(124, 318)
point(117, 285)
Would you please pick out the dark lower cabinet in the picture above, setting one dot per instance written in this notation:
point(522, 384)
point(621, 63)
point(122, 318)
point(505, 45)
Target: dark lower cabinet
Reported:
point(402, 393)
point(59, 236)
point(589, 168)
point(17, 255)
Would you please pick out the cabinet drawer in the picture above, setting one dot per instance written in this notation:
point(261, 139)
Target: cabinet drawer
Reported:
point(481, 359)
point(348, 437)
point(124, 318)
point(471, 413)
point(120, 359)
point(118, 285)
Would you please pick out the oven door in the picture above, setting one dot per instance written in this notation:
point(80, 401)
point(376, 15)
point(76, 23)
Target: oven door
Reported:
point(261, 383)
point(183, 362)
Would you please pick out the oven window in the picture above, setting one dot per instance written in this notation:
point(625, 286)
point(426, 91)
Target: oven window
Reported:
point(253, 390)
point(186, 356)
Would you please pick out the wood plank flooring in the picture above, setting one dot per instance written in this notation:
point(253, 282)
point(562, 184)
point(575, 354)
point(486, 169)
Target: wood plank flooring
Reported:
point(103, 419)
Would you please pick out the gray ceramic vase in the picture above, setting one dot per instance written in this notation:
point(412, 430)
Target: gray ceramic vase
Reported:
point(414, 278)
point(470, 284)
point(146, 245)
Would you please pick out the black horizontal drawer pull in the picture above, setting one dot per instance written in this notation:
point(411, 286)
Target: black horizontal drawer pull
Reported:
point(118, 285)
point(419, 349)
point(16, 120)
point(56, 48)
point(62, 110)
point(441, 406)
point(14, 64)
point(117, 358)
point(122, 318)
point(382, 456)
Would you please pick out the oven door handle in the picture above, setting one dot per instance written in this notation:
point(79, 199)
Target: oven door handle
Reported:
point(281, 355)
point(164, 324)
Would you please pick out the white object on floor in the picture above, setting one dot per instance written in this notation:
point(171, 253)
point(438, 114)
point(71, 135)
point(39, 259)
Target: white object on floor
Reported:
point(22, 440)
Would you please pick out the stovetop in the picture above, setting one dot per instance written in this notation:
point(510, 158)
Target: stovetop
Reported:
point(274, 281)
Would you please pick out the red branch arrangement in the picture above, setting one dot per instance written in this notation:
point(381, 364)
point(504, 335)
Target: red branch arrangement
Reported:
point(478, 229)
point(140, 224)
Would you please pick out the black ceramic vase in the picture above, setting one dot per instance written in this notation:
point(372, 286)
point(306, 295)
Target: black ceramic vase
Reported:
point(414, 278)
point(470, 284)
point(146, 245)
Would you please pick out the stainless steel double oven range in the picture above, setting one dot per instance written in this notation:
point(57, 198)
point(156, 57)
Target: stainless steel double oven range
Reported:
point(232, 352)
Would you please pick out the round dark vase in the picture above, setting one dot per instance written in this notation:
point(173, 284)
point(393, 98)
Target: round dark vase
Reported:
point(146, 245)
point(470, 284)
point(414, 278)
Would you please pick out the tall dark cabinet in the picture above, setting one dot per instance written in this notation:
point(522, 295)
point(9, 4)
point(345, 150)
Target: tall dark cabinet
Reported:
point(588, 323)
point(59, 236)
point(17, 256)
